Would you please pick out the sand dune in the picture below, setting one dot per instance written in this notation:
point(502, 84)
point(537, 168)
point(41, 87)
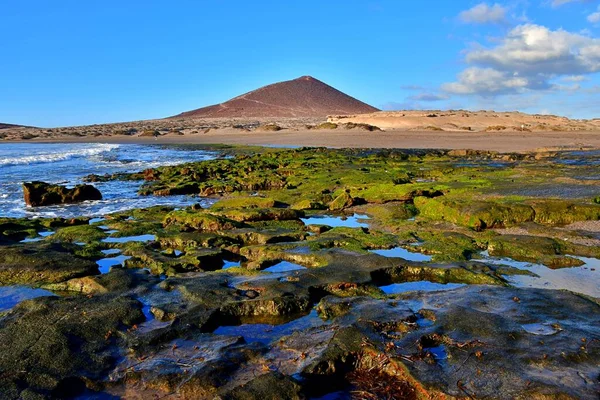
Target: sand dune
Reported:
point(457, 121)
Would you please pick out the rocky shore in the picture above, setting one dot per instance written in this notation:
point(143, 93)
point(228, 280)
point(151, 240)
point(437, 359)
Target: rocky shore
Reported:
point(317, 272)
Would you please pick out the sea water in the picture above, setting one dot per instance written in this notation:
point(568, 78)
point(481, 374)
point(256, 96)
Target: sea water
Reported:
point(68, 163)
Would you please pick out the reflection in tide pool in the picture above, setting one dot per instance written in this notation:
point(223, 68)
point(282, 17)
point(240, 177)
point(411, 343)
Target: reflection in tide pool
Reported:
point(231, 264)
point(110, 251)
point(125, 239)
point(584, 279)
point(284, 266)
point(265, 333)
point(10, 296)
point(541, 329)
point(425, 286)
point(403, 253)
point(353, 221)
point(105, 264)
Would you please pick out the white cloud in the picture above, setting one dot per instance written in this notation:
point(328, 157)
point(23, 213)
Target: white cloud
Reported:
point(528, 57)
point(574, 78)
point(485, 81)
point(429, 97)
point(483, 13)
point(594, 18)
point(536, 49)
point(558, 3)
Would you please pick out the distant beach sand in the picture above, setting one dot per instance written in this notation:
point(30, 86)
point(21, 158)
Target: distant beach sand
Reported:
point(493, 141)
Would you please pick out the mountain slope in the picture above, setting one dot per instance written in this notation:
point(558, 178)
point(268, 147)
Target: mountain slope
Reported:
point(301, 97)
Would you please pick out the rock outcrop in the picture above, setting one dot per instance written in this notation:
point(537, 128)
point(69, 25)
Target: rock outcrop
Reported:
point(44, 194)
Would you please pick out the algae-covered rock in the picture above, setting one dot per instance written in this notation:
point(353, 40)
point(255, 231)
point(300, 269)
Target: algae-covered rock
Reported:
point(536, 249)
point(385, 193)
point(118, 280)
point(184, 240)
point(562, 212)
point(477, 215)
point(161, 262)
point(52, 346)
point(44, 194)
point(447, 246)
point(80, 233)
point(261, 214)
point(308, 205)
point(355, 239)
point(244, 202)
point(38, 263)
point(199, 221)
point(341, 202)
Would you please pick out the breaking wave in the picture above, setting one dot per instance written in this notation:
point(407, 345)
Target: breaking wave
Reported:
point(48, 157)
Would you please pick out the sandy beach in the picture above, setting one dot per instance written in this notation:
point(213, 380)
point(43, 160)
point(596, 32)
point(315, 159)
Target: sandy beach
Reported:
point(493, 141)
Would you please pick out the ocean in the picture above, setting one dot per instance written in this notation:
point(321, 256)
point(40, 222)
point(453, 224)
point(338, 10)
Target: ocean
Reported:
point(68, 163)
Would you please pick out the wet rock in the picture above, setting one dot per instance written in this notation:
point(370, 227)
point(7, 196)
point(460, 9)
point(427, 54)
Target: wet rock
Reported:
point(261, 214)
point(116, 281)
point(159, 263)
point(199, 221)
point(480, 342)
point(561, 212)
point(183, 240)
point(476, 215)
point(308, 205)
point(79, 233)
point(534, 249)
point(39, 263)
point(341, 202)
point(318, 229)
point(254, 237)
point(44, 194)
point(196, 368)
point(270, 386)
point(244, 202)
point(52, 346)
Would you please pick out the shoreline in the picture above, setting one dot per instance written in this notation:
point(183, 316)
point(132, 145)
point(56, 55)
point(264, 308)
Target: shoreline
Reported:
point(504, 142)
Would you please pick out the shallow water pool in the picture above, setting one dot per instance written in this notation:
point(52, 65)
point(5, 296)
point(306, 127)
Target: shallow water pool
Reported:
point(265, 333)
point(284, 266)
point(10, 296)
point(584, 279)
point(424, 286)
point(403, 253)
point(354, 221)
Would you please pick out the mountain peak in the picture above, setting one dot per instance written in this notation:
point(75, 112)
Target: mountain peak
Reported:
point(301, 97)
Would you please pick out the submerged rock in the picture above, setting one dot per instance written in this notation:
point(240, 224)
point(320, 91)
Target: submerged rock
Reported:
point(44, 194)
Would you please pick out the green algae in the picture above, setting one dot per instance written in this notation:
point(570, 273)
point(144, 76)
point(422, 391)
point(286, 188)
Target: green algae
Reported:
point(198, 221)
point(244, 202)
point(80, 233)
point(353, 239)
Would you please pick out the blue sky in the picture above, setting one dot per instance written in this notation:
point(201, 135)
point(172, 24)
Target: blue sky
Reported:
point(71, 62)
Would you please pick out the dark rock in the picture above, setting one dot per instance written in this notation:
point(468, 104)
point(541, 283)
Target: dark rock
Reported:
point(44, 194)
point(52, 346)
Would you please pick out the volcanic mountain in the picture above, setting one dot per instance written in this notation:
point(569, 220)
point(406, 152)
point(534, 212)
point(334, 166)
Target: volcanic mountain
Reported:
point(302, 97)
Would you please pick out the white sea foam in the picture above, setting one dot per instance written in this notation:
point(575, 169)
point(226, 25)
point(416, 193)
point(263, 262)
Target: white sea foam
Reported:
point(46, 157)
